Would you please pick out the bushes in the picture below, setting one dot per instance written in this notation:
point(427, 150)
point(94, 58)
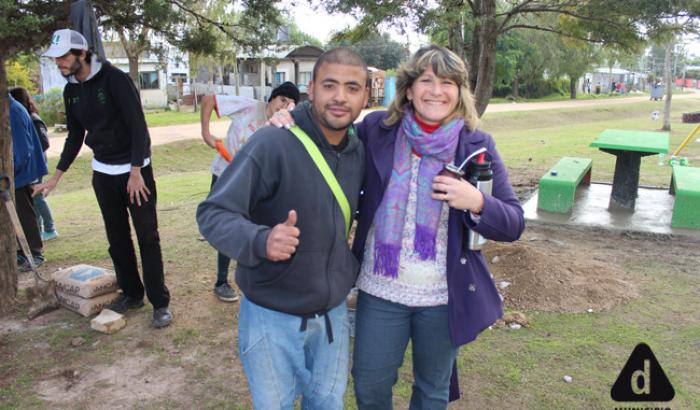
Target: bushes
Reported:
point(51, 108)
point(534, 89)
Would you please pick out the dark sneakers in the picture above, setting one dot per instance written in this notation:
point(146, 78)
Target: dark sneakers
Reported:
point(124, 303)
point(225, 293)
point(24, 266)
point(161, 317)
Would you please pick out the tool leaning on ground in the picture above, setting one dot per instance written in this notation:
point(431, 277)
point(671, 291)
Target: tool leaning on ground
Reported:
point(42, 296)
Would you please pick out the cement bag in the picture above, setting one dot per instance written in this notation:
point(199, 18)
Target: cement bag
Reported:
point(85, 281)
point(86, 307)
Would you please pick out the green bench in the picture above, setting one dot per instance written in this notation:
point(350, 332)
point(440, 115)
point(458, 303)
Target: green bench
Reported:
point(685, 185)
point(558, 185)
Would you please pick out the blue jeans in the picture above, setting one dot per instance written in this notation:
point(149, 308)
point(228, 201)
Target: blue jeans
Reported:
point(43, 213)
point(282, 362)
point(382, 332)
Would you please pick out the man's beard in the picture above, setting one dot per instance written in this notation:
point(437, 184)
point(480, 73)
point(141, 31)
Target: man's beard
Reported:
point(74, 68)
point(325, 118)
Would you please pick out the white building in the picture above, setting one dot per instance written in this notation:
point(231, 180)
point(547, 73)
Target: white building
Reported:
point(158, 78)
point(157, 72)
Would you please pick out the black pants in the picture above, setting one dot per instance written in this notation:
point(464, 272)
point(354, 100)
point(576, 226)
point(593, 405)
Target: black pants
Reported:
point(115, 206)
point(27, 218)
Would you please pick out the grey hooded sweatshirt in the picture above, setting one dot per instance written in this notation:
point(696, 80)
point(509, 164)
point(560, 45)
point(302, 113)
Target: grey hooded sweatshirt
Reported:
point(271, 175)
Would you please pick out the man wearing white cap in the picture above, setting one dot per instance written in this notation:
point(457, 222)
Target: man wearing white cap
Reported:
point(103, 109)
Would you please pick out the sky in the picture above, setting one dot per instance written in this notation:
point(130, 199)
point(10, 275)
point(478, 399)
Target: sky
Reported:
point(692, 45)
point(322, 25)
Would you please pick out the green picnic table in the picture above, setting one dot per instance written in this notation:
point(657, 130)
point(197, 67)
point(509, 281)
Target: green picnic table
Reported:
point(629, 147)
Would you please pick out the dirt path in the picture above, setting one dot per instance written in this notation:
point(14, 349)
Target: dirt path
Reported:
point(159, 135)
point(533, 106)
point(172, 133)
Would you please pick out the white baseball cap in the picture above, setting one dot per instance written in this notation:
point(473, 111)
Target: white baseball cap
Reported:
point(64, 41)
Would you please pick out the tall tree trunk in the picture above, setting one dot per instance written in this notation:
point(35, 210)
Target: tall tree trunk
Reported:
point(237, 75)
point(668, 79)
point(8, 259)
point(134, 69)
point(572, 86)
point(132, 50)
point(455, 39)
point(516, 87)
point(486, 63)
point(472, 65)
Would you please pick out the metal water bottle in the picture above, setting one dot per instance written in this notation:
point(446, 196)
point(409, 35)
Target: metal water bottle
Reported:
point(480, 175)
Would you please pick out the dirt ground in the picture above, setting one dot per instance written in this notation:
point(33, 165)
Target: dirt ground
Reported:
point(545, 273)
point(194, 363)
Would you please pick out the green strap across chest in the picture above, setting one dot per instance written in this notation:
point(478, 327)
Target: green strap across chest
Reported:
point(327, 174)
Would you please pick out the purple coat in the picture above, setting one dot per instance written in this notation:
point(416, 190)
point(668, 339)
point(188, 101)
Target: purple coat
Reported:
point(471, 308)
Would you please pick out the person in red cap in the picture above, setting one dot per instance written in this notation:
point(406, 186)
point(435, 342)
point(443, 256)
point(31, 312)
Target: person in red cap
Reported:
point(103, 109)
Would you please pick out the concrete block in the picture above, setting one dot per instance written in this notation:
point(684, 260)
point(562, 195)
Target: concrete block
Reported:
point(108, 322)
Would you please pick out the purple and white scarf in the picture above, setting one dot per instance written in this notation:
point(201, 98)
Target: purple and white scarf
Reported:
point(436, 148)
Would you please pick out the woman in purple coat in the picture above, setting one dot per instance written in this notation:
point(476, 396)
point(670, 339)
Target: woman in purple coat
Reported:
point(419, 280)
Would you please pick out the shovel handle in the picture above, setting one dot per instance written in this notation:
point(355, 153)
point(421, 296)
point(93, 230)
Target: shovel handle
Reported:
point(223, 151)
point(14, 219)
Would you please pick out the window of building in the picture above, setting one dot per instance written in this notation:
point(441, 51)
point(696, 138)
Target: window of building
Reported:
point(304, 77)
point(149, 80)
point(175, 76)
point(280, 77)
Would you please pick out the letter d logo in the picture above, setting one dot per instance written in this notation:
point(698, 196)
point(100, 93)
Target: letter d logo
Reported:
point(642, 379)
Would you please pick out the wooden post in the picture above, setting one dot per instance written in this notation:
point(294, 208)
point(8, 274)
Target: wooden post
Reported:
point(262, 79)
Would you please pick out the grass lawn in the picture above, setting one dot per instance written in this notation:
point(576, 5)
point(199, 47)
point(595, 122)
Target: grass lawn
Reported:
point(195, 364)
point(564, 97)
point(536, 140)
point(160, 118)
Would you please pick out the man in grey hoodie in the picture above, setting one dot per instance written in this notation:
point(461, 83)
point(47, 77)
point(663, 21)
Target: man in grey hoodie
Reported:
point(274, 213)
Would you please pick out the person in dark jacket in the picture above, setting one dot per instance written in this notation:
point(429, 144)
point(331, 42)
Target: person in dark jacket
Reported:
point(44, 216)
point(273, 211)
point(29, 167)
point(418, 279)
point(103, 102)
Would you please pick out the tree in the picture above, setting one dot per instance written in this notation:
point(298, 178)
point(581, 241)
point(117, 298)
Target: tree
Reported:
point(681, 17)
point(298, 37)
point(22, 71)
point(578, 57)
point(668, 80)
point(23, 26)
point(190, 25)
point(134, 22)
point(598, 21)
point(378, 50)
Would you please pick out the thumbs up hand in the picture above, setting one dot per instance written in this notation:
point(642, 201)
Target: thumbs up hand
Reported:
point(283, 240)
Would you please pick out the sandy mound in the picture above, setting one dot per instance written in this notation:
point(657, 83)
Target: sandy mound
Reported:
point(556, 280)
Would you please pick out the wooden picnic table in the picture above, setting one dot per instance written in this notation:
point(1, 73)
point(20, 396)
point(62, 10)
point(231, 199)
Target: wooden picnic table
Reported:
point(629, 147)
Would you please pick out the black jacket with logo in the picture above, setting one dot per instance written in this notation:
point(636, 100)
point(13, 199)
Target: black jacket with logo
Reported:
point(106, 105)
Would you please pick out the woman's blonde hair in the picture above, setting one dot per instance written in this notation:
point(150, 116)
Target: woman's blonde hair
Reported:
point(445, 64)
